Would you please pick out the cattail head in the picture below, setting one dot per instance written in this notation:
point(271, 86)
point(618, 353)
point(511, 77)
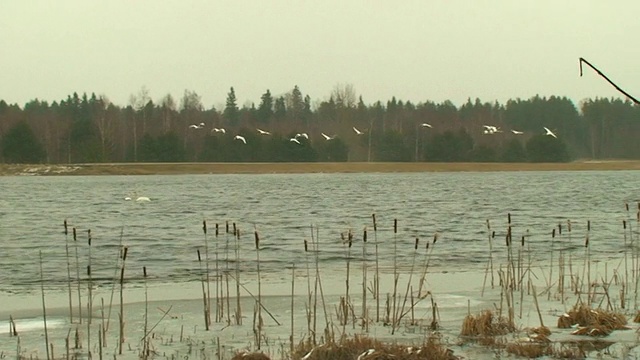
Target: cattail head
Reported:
point(375, 224)
point(66, 230)
point(624, 224)
point(568, 225)
point(199, 258)
point(88, 270)
point(74, 234)
point(237, 233)
point(124, 253)
point(350, 236)
point(488, 225)
point(522, 241)
point(364, 235)
point(234, 228)
point(560, 229)
point(626, 206)
point(508, 218)
point(255, 233)
point(227, 226)
point(493, 234)
point(638, 216)
point(553, 233)
point(435, 237)
point(89, 236)
point(144, 271)
point(306, 246)
point(204, 226)
point(586, 241)
point(415, 247)
point(427, 247)
point(588, 225)
point(217, 230)
point(395, 226)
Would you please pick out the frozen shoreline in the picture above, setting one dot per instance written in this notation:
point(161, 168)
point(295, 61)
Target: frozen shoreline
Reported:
point(455, 293)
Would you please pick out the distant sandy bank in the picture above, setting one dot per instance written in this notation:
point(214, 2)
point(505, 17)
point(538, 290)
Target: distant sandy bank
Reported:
point(291, 168)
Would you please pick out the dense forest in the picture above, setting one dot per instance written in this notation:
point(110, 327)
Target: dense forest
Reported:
point(289, 127)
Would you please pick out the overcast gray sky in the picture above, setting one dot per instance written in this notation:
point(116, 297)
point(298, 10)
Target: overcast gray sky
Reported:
point(413, 50)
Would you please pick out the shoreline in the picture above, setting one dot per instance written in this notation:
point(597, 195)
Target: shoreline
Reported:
point(304, 168)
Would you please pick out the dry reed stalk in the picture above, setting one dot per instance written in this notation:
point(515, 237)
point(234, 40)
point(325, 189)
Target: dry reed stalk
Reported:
point(103, 340)
point(89, 295)
point(99, 345)
point(66, 248)
point(204, 293)
point(316, 240)
point(573, 284)
point(224, 303)
point(293, 287)
point(489, 266)
point(427, 261)
point(396, 274)
point(401, 312)
point(12, 327)
point(75, 241)
point(626, 269)
point(588, 260)
point(344, 304)
point(113, 286)
point(206, 263)
point(260, 323)
point(553, 236)
point(145, 341)
point(238, 313)
point(44, 308)
point(376, 279)
point(121, 315)
point(255, 298)
point(535, 301)
point(364, 279)
point(218, 278)
point(310, 328)
point(67, 345)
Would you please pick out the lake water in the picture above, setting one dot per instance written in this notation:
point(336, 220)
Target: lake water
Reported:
point(165, 233)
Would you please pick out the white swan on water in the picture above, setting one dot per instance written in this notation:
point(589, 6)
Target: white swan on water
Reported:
point(138, 198)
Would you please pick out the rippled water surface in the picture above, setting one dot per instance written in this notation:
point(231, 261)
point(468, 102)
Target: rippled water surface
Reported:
point(165, 233)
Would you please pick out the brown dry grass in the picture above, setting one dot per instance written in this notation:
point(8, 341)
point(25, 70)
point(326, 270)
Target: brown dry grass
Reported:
point(592, 322)
point(349, 348)
point(486, 325)
point(288, 168)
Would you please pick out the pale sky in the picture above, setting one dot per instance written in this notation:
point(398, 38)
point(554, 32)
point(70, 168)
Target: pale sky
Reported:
point(414, 50)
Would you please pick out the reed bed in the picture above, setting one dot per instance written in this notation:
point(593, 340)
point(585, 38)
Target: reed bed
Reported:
point(351, 336)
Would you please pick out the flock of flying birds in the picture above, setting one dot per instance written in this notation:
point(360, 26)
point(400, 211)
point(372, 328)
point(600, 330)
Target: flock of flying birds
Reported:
point(488, 129)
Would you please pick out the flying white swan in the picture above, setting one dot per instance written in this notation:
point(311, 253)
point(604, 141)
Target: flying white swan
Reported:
point(293, 139)
point(143, 199)
point(549, 132)
point(327, 137)
point(304, 135)
point(490, 129)
point(426, 125)
point(357, 131)
point(220, 130)
point(194, 126)
point(241, 138)
point(517, 132)
point(262, 132)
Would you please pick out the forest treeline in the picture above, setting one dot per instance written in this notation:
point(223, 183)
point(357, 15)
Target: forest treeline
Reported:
point(89, 129)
